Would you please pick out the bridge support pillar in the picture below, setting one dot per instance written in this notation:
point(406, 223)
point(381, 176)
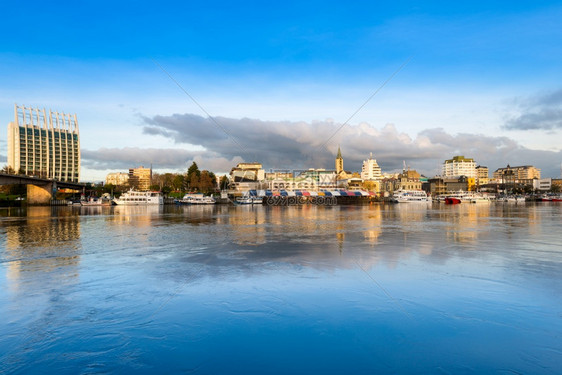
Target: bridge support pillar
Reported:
point(39, 195)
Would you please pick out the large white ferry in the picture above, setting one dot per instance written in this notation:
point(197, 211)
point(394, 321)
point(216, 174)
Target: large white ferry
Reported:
point(410, 196)
point(197, 198)
point(139, 198)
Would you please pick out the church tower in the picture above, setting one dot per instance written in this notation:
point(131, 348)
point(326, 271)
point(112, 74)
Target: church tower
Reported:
point(339, 162)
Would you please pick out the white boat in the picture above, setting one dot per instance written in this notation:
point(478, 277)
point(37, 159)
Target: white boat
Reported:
point(467, 197)
point(94, 202)
point(249, 200)
point(513, 199)
point(197, 198)
point(105, 200)
point(410, 196)
point(139, 198)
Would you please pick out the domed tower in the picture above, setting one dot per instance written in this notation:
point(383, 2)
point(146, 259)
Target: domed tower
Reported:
point(339, 162)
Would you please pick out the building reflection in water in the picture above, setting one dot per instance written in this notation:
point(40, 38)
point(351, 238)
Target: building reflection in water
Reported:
point(41, 245)
point(248, 225)
point(309, 235)
point(140, 215)
point(373, 224)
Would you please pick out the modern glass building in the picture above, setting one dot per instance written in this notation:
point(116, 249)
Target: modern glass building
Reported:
point(44, 144)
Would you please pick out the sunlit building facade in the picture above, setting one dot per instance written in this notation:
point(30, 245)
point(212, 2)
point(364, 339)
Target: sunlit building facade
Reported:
point(523, 172)
point(371, 169)
point(140, 178)
point(459, 166)
point(117, 179)
point(44, 144)
point(482, 175)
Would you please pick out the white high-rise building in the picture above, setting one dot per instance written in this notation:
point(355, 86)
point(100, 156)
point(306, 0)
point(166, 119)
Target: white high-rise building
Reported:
point(371, 170)
point(44, 144)
point(460, 166)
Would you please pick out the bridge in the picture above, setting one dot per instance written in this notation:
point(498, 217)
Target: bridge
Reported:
point(40, 191)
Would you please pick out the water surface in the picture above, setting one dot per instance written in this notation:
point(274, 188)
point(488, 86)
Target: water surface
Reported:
point(347, 289)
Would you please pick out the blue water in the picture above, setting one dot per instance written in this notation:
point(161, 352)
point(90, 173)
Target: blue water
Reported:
point(282, 290)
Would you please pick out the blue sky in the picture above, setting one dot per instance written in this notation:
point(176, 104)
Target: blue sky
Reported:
point(482, 80)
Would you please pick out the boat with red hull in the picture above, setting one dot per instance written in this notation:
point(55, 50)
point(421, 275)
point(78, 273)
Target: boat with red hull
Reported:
point(452, 200)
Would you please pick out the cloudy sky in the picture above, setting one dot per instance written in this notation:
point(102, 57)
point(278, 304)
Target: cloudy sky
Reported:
point(166, 83)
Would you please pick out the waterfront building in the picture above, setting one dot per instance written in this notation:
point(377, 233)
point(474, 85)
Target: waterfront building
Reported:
point(371, 170)
point(140, 178)
point(324, 178)
point(247, 172)
point(482, 175)
point(544, 184)
point(44, 144)
point(459, 166)
point(247, 176)
point(117, 179)
point(440, 185)
point(278, 174)
point(409, 180)
point(356, 183)
point(437, 186)
point(293, 183)
point(461, 183)
point(388, 185)
point(523, 172)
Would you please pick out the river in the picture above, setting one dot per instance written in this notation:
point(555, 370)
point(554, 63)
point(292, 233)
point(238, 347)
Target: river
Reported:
point(407, 288)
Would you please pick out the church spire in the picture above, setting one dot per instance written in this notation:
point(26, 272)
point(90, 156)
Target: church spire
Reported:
point(339, 162)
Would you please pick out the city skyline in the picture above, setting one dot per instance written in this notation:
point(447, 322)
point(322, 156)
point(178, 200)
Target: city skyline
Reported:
point(481, 81)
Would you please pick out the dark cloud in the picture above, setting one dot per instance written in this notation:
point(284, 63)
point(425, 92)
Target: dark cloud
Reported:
point(3, 159)
point(290, 145)
point(538, 112)
point(131, 157)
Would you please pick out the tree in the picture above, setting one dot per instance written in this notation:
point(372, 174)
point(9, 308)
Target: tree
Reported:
point(108, 188)
point(193, 181)
point(8, 170)
point(178, 182)
point(193, 175)
point(224, 183)
point(213, 179)
point(193, 169)
point(206, 184)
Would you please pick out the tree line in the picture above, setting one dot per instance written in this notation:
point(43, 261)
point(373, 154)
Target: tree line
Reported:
point(193, 180)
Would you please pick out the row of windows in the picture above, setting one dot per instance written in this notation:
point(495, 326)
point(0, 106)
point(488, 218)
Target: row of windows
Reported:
point(37, 150)
point(43, 133)
point(51, 159)
point(44, 144)
point(54, 167)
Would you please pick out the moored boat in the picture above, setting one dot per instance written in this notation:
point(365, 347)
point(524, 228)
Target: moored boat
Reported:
point(94, 202)
point(452, 200)
point(410, 196)
point(140, 198)
point(195, 198)
point(466, 197)
point(248, 200)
